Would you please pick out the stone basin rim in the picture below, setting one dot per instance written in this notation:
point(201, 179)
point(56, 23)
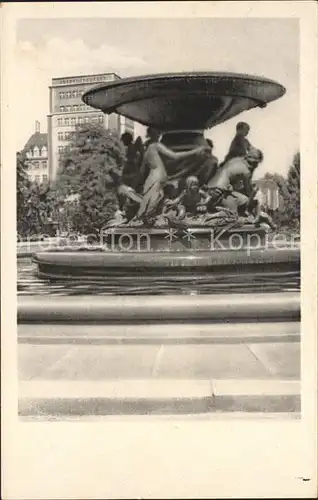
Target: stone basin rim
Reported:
point(184, 74)
point(229, 258)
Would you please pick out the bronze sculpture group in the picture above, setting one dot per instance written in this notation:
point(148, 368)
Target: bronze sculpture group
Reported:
point(188, 188)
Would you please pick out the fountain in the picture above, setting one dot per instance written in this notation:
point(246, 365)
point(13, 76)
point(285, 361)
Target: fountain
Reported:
point(161, 242)
point(149, 354)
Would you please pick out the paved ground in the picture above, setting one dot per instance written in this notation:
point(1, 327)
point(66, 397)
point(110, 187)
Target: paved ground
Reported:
point(100, 362)
point(76, 371)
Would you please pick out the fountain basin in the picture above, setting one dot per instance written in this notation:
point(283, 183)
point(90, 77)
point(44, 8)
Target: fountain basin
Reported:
point(144, 266)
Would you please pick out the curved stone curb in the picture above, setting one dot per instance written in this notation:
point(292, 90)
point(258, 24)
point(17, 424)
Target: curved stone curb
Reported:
point(140, 397)
point(222, 307)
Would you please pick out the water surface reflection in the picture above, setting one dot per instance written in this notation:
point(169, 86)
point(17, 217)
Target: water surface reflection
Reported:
point(30, 284)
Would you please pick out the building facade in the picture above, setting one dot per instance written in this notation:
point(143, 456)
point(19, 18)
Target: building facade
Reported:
point(36, 150)
point(269, 194)
point(67, 110)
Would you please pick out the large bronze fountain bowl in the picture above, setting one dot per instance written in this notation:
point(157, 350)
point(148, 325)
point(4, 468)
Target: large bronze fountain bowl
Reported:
point(184, 101)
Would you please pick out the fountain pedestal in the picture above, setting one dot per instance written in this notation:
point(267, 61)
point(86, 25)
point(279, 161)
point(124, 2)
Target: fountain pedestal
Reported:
point(141, 239)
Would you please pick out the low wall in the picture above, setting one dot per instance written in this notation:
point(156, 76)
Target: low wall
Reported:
point(250, 307)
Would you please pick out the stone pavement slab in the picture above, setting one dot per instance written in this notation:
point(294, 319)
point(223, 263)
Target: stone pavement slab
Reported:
point(281, 359)
point(33, 360)
point(215, 361)
point(86, 363)
point(116, 389)
point(114, 397)
point(92, 362)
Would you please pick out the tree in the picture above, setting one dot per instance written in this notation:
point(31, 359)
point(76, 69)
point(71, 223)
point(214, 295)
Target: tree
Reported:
point(85, 167)
point(293, 187)
point(288, 213)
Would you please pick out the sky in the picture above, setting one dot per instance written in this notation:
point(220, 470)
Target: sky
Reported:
point(48, 48)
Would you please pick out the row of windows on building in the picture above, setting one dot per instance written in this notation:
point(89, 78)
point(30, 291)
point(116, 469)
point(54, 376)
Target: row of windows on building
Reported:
point(80, 120)
point(65, 136)
point(85, 79)
point(74, 107)
point(63, 149)
point(71, 94)
point(40, 178)
point(35, 152)
point(38, 164)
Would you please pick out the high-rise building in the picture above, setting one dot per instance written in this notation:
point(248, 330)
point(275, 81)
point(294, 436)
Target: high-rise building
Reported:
point(68, 110)
point(36, 150)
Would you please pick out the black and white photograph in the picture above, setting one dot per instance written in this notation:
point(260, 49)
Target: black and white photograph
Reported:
point(158, 217)
point(159, 231)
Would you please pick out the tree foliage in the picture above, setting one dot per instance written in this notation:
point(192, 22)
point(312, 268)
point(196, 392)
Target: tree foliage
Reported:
point(84, 171)
point(90, 144)
point(22, 186)
point(292, 201)
point(288, 213)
